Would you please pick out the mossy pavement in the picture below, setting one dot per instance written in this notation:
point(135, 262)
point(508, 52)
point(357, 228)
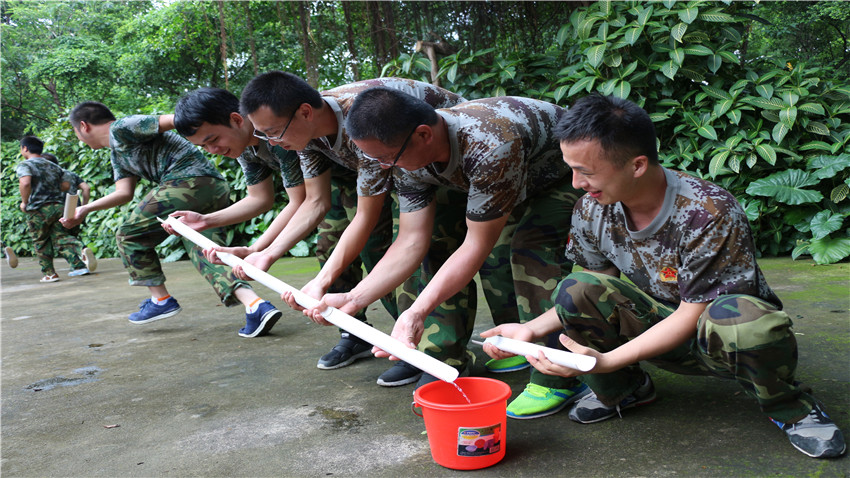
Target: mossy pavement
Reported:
point(85, 393)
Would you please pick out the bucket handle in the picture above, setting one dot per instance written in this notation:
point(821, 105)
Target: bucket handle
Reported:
point(413, 407)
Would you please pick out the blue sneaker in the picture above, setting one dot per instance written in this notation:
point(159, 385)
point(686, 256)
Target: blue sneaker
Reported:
point(260, 321)
point(815, 435)
point(149, 312)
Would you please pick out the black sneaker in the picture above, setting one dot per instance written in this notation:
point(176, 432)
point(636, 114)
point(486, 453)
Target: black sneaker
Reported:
point(399, 374)
point(349, 349)
point(590, 410)
point(815, 435)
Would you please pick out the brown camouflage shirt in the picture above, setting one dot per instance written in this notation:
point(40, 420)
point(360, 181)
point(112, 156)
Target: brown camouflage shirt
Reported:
point(698, 248)
point(502, 152)
point(258, 162)
point(320, 153)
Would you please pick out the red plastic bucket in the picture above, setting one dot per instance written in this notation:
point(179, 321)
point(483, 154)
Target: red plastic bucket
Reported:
point(463, 435)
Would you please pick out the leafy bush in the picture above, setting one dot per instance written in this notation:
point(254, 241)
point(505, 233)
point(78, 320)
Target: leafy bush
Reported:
point(772, 131)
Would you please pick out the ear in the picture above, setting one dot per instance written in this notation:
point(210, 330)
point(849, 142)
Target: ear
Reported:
point(236, 120)
point(305, 110)
point(425, 132)
point(640, 165)
point(84, 127)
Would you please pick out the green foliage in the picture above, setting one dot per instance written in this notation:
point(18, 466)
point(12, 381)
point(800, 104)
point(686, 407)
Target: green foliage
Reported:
point(775, 133)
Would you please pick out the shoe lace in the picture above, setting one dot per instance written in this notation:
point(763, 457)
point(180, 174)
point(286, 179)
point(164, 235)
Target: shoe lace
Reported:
point(536, 390)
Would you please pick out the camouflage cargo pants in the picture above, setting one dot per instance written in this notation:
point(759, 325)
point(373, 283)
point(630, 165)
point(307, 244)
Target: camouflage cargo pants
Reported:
point(449, 327)
point(141, 233)
point(343, 208)
point(737, 337)
point(528, 262)
point(49, 236)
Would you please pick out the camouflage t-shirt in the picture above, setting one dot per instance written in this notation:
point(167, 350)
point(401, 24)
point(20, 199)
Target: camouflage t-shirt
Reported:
point(140, 150)
point(502, 152)
point(698, 248)
point(46, 181)
point(319, 154)
point(258, 162)
point(76, 180)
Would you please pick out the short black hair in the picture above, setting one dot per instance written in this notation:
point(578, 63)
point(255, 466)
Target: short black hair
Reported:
point(204, 105)
point(387, 115)
point(33, 144)
point(282, 92)
point(623, 129)
point(50, 157)
point(92, 112)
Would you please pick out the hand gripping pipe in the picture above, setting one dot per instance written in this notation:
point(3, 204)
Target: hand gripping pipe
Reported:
point(342, 320)
point(560, 357)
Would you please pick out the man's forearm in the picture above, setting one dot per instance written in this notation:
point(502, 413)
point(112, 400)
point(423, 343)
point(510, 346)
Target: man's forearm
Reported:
point(243, 210)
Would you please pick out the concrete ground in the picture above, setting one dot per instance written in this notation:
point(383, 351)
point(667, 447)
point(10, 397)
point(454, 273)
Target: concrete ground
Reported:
point(85, 393)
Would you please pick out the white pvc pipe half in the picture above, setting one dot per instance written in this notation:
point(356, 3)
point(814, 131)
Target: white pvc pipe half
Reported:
point(342, 320)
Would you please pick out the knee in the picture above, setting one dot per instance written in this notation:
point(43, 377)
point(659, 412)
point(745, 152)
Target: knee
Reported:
point(749, 321)
point(577, 292)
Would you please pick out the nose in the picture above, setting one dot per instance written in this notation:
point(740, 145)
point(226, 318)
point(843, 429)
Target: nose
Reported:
point(579, 182)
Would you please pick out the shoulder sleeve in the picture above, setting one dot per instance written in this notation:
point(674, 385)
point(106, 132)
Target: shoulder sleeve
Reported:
point(23, 169)
point(290, 167)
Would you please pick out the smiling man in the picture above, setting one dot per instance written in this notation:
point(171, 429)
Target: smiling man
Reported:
point(695, 301)
point(499, 153)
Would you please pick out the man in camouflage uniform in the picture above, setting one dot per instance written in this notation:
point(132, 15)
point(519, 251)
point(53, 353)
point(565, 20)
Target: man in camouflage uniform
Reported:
point(289, 112)
point(499, 153)
point(142, 147)
point(696, 303)
point(79, 187)
point(42, 185)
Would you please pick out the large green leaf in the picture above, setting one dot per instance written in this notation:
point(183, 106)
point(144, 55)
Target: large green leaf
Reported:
point(828, 166)
point(714, 62)
point(813, 108)
point(595, 54)
point(829, 250)
point(779, 132)
point(707, 131)
point(825, 223)
point(669, 69)
point(622, 89)
point(787, 187)
point(560, 92)
point(688, 15)
point(585, 83)
point(817, 128)
point(678, 31)
point(766, 151)
point(788, 116)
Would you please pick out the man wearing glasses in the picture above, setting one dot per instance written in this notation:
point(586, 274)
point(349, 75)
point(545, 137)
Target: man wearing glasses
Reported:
point(501, 153)
point(287, 111)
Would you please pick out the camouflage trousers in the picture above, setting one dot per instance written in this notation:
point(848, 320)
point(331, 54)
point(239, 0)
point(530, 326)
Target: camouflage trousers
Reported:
point(343, 208)
point(738, 337)
point(527, 263)
point(141, 233)
point(449, 327)
point(49, 236)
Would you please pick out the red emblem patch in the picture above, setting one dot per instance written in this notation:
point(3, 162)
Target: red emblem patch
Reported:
point(668, 274)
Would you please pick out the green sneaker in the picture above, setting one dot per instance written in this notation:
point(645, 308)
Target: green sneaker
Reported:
point(537, 401)
point(510, 364)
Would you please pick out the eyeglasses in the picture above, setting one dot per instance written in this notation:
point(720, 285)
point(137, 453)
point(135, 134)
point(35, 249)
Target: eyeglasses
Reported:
point(261, 135)
point(397, 156)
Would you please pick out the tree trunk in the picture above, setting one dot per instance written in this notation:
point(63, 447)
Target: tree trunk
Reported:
point(309, 60)
point(251, 41)
point(377, 37)
point(389, 22)
point(223, 43)
point(352, 46)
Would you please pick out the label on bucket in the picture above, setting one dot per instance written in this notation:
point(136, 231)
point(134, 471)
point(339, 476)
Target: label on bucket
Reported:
point(479, 441)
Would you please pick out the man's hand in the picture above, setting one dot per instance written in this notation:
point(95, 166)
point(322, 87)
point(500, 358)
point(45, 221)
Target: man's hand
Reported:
point(408, 330)
point(23, 207)
point(542, 364)
point(192, 219)
point(79, 217)
point(511, 331)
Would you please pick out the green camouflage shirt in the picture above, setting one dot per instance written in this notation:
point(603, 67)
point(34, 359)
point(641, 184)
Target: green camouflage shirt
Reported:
point(258, 162)
point(698, 248)
point(140, 150)
point(502, 152)
point(372, 180)
point(46, 180)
